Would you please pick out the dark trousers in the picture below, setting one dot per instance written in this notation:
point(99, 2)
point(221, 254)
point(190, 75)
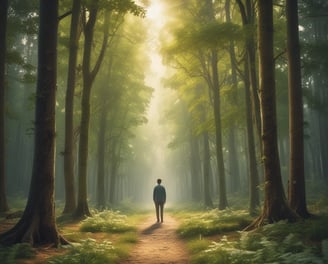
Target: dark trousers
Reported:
point(159, 210)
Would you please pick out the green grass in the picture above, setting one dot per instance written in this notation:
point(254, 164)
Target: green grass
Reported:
point(89, 251)
point(107, 221)
point(213, 222)
point(118, 228)
point(302, 242)
point(15, 252)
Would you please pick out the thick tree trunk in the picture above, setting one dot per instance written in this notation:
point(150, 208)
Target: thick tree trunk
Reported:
point(38, 223)
point(297, 200)
point(70, 200)
point(275, 203)
point(3, 29)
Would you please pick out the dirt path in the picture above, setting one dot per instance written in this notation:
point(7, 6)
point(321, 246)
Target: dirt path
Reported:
point(158, 243)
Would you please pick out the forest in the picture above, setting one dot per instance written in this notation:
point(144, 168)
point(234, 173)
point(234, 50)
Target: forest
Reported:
point(226, 101)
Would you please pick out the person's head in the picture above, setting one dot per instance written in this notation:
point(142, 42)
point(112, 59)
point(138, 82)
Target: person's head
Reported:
point(159, 181)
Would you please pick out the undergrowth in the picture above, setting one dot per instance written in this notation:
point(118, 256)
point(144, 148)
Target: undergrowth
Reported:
point(100, 251)
point(89, 251)
point(106, 221)
point(212, 222)
point(15, 252)
point(303, 242)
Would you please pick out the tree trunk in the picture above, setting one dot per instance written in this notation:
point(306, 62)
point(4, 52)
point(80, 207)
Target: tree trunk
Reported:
point(233, 157)
point(114, 166)
point(82, 208)
point(248, 18)
point(297, 200)
point(223, 203)
point(3, 29)
point(70, 201)
point(88, 78)
point(254, 201)
point(275, 204)
point(206, 170)
point(38, 223)
point(101, 158)
point(213, 84)
point(195, 168)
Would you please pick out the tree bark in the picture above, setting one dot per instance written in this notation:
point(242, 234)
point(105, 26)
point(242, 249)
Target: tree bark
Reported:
point(275, 203)
point(223, 202)
point(233, 157)
point(248, 18)
point(101, 158)
point(206, 170)
point(38, 223)
point(296, 193)
point(70, 200)
point(3, 29)
point(254, 200)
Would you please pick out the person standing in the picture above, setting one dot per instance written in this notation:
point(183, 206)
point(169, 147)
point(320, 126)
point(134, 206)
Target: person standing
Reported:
point(159, 197)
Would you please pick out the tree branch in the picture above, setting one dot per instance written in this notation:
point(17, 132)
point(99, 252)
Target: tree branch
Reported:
point(68, 13)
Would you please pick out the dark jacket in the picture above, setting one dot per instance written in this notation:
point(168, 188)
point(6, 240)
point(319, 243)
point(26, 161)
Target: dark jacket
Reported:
point(159, 194)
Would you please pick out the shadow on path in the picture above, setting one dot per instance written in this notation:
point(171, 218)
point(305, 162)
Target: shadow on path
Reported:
point(158, 243)
point(149, 230)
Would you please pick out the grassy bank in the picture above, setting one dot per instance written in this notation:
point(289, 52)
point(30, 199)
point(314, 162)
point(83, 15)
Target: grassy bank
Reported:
point(215, 237)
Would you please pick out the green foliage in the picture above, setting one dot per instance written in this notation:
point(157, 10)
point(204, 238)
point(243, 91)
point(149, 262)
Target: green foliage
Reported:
point(214, 222)
point(276, 243)
point(106, 221)
point(198, 245)
point(129, 237)
point(217, 34)
point(17, 251)
point(89, 251)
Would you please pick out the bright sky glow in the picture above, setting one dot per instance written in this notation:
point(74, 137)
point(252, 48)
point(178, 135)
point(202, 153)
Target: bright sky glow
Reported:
point(156, 14)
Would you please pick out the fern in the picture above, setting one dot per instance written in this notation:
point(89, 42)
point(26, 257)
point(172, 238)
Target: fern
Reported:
point(89, 251)
point(17, 251)
point(106, 221)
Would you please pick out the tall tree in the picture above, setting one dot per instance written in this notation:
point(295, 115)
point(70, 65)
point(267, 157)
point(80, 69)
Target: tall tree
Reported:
point(70, 200)
point(275, 203)
point(233, 156)
point(296, 187)
point(3, 29)
point(215, 87)
point(38, 223)
point(118, 9)
point(206, 170)
point(247, 11)
point(89, 75)
point(254, 196)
